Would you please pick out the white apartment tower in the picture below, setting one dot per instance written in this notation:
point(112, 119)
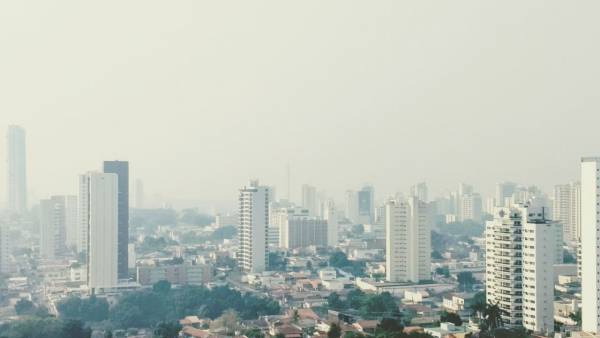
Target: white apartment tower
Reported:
point(253, 253)
point(309, 199)
point(408, 241)
point(566, 210)
point(16, 169)
point(520, 256)
point(590, 254)
point(99, 214)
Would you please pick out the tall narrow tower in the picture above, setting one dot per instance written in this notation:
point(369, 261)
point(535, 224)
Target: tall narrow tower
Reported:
point(16, 169)
point(101, 193)
point(121, 169)
point(253, 252)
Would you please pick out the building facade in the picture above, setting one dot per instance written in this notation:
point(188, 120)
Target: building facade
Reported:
point(121, 169)
point(408, 241)
point(102, 210)
point(16, 169)
point(567, 210)
point(253, 252)
point(520, 255)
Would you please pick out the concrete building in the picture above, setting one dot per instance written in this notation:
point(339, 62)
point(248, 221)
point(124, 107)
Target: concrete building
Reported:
point(178, 274)
point(330, 215)
point(504, 191)
point(352, 205)
point(408, 241)
point(301, 231)
point(101, 191)
point(54, 216)
point(309, 199)
point(520, 256)
point(253, 226)
point(469, 207)
point(420, 191)
point(590, 244)
point(566, 210)
point(16, 170)
point(121, 169)
point(366, 205)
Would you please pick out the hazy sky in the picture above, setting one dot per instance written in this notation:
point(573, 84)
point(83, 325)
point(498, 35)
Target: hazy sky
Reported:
point(202, 95)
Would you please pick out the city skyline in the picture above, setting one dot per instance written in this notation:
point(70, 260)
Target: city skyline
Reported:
point(389, 78)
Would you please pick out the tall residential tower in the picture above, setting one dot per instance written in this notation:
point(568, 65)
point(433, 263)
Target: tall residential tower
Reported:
point(253, 253)
point(16, 169)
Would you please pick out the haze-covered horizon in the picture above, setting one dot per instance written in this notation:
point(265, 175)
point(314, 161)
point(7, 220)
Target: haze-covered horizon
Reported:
point(200, 97)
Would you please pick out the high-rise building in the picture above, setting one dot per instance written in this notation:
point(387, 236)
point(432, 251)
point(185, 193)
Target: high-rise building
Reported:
point(420, 191)
point(366, 205)
point(4, 249)
point(71, 221)
point(520, 256)
point(566, 210)
point(309, 199)
point(139, 194)
point(408, 241)
point(330, 215)
point(53, 226)
point(590, 244)
point(121, 169)
point(469, 207)
point(253, 253)
point(101, 190)
point(297, 229)
point(352, 205)
point(16, 169)
point(504, 191)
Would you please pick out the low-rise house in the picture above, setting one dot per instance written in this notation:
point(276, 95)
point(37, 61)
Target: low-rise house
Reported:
point(447, 329)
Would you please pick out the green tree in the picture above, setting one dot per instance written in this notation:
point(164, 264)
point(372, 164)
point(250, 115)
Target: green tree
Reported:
point(254, 333)
point(466, 280)
point(389, 325)
point(167, 330)
point(335, 331)
point(443, 271)
point(162, 287)
point(24, 307)
point(75, 329)
point(335, 302)
point(493, 316)
point(576, 317)
point(450, 317)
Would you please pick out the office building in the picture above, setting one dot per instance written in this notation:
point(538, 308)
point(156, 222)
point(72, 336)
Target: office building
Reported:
point(520, 257)
point(16, 169)
point(469, 207)
point(297, 229)
point(366, 205)
point(253, 253)
point(408, 241)
point(121, 169)
point(102, 212)
point(177, 274)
